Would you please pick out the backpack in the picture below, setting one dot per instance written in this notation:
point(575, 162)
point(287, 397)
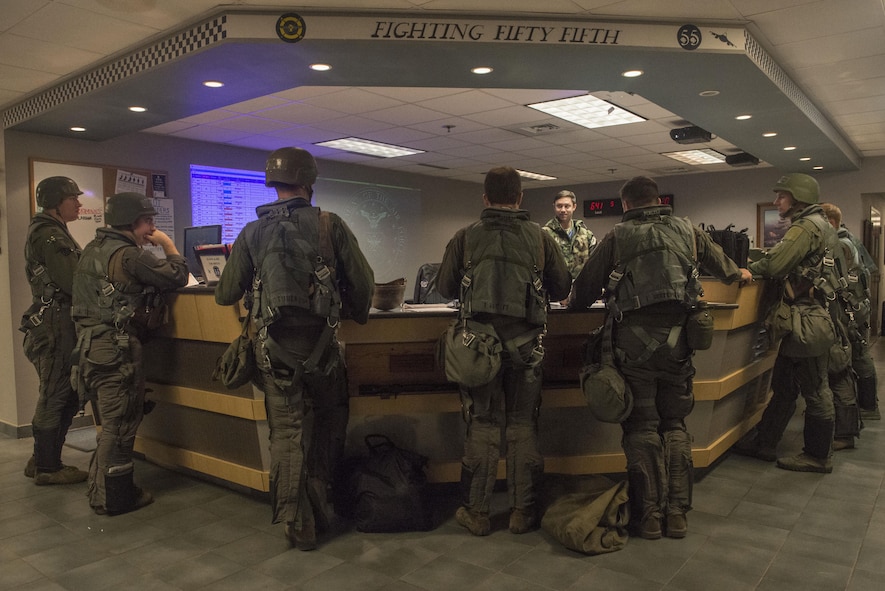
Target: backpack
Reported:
point(386, 491)
point(295, 265)
point(501, 275)
point(653, 265)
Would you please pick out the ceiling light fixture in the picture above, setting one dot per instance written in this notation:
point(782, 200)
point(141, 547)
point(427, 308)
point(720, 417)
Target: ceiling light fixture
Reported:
point(632, 73)
point(320, 67)
point(708, 93)
point(695, 157)
point(805, 159)
point(77, 128)
point(361, 146)
point(818, 168)
point(587, 111)
point(769, 134)
point(535, 176)
point(788, 148)
point(482, 70)
point(213, 84)
point(135, 109)
point(743, 117)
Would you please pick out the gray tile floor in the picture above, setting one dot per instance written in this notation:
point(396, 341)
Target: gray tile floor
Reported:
point(753, 527)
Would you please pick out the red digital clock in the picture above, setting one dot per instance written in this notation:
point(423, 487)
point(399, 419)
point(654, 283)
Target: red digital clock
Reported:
point(605, 207)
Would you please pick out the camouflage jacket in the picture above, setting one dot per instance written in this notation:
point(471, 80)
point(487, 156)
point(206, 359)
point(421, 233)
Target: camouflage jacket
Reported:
point(576, 249)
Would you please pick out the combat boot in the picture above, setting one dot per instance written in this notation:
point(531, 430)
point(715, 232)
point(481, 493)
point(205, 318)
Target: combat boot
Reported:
point(677, 525)
point(841, 443)
point(752, 449)
point(523, 520)
point(31, 468)
point(476, 523)
point(650, 528)
point(67, 475)
point(806, 463)
point(303, 538)
point(142, 499)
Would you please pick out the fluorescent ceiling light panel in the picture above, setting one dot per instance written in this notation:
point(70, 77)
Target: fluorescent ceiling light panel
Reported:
point(535, 176)
point(587, 111)
point(360, 146)
point(705, 156)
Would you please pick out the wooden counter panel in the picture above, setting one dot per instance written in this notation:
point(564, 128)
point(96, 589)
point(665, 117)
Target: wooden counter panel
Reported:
point(187, 363)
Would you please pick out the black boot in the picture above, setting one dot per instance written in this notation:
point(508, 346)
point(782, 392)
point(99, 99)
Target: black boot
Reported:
point(121, 494)
point(867, 399)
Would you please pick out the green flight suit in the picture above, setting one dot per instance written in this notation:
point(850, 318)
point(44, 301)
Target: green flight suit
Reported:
point(51, 255)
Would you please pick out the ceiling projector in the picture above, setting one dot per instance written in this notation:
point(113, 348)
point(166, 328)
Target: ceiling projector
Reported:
point(690, 135)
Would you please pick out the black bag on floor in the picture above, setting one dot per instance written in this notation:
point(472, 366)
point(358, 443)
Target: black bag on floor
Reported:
point(736, 245)
point(388, 489)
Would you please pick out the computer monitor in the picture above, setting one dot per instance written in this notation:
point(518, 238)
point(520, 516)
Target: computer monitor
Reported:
point(197, 236)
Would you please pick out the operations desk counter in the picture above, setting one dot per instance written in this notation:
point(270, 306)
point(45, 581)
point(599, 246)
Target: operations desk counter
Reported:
point(397, 388)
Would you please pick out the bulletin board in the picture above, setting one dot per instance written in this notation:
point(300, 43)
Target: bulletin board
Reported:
point(98, 182)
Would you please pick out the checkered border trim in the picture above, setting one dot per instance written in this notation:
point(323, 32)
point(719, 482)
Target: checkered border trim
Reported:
point(171, 48)
point(765, 63)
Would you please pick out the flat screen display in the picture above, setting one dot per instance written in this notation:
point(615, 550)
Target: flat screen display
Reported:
point(227, 197)
point(198, 236)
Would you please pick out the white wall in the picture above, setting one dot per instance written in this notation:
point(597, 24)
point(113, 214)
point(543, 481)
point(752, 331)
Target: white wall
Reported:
point(717, 199)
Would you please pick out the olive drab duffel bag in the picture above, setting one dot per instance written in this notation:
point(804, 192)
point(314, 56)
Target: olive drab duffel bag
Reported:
point(607, 393)
point(591, 522)
point(812, 332)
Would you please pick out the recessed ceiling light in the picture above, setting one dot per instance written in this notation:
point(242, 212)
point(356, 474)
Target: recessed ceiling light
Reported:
point(743, 117)
point(707, 93)
point(588, 111)
point(213, 83)
point(704, 156)
point(805, 159)
point(788, 148)
point(320, 67)
point(535, 176)
point(769, 134)
point(632, 73)
point(78, 128)
point(482, 70)
point(818, 168)
point(137, 109)
point(361, 146)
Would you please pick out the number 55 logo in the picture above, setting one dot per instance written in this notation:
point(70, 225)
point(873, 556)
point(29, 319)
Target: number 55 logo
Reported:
point(689, 37)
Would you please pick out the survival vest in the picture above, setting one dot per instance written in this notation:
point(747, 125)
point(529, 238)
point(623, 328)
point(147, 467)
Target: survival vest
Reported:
point(858, 276)
point(503, 264)
point(97, 298)
point(43, 288)
point(819, 270)
point(295, 264)
point(654, 263)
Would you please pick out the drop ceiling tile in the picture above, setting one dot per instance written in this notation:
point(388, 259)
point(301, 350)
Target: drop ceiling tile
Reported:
point(300, 93)
point(258, 104)
point(834, 48)
point(529, 96)
point(510, 116)
point(519, 143)
point(435, 144)
point(353, 126)
point(252, 125)
point(44, 56)
point(300, 113)
point(15, 11)
point(400, 135)
point(820, 20)
point(210, 117)
point(449, 126)
point(65, 24)
point(408, 94)
point(210, 133)
point(489, 135)
point(406, 115)
point(169, 128)
point(22, 80)
point(304, 134)
point(163, 14)
point(466, 103)
point(353, 101)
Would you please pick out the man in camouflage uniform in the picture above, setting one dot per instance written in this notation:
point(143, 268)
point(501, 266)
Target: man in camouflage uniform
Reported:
point(51, 255)
point(117, 303)
point(800, 259)
point(524, 263)
point(301, 270)
point(572, 235)
point(651, 349)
